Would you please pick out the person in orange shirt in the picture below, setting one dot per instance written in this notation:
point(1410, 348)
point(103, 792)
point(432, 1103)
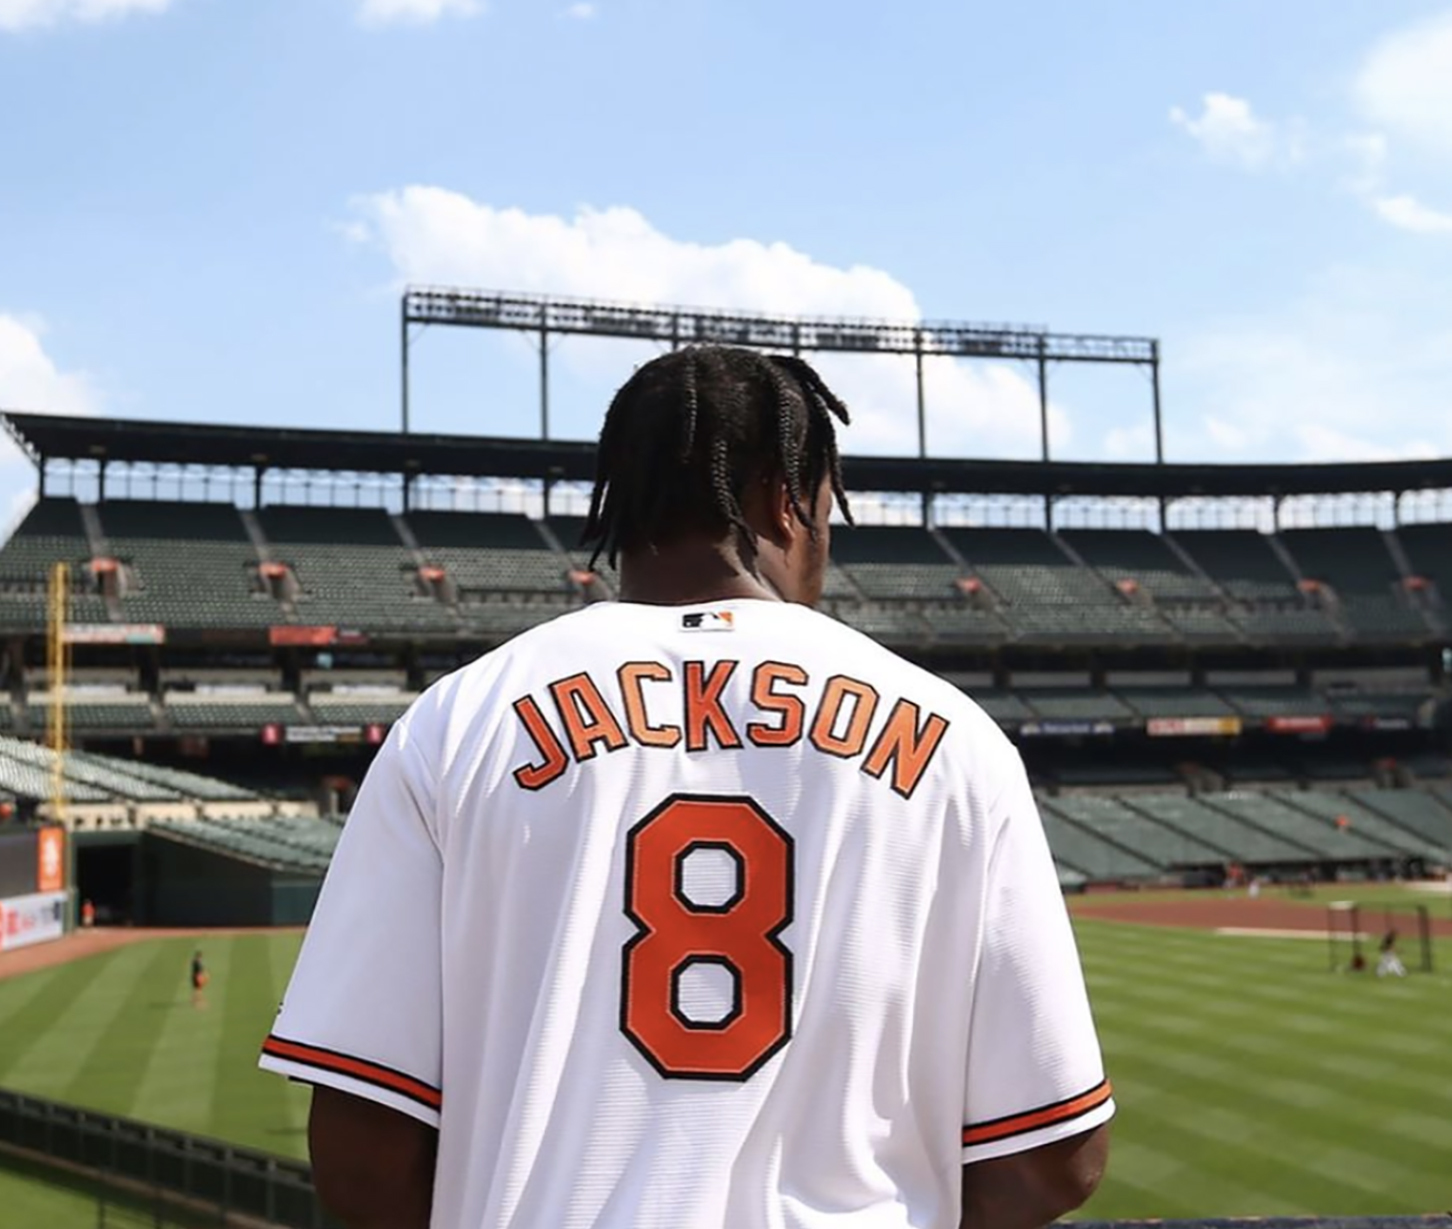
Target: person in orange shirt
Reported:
point(200, 977)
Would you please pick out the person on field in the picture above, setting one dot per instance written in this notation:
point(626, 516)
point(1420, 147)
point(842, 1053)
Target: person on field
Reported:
point(199, 978)
point(1389, 964)
point(698, 909)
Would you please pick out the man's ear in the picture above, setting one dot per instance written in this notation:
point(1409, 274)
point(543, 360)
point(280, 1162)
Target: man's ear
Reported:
point(780, 514)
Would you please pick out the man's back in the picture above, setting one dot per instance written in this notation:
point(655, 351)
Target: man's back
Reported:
point(714, 915)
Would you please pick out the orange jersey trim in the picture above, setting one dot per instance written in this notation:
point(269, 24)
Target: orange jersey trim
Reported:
point(1035, 1120)
point(354, 1068)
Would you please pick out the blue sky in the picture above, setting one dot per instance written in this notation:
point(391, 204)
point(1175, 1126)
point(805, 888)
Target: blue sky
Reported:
point(208, 206)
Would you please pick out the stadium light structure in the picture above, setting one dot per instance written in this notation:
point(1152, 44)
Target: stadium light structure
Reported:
point(547, 317)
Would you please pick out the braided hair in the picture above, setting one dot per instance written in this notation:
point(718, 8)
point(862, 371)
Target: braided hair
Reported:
point(690, 430)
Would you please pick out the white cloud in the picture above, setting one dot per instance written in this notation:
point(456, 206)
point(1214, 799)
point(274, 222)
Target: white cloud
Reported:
point(582, 11)
point(1226, 436)
point(1367, 153)
point(1406, 83)
point(25, 14)
point(1353, 369)
point(1408, 213)
point(414, 12)
point(30, 380)
point(1228, 129)
point(1135, 443)
point(1322, 442)
point(432, 235)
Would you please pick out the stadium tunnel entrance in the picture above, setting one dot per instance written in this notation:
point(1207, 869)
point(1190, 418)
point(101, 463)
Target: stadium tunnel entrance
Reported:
point(108, 874)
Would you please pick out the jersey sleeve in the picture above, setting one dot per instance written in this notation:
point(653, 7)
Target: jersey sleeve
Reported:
point(1034, 1073)
point(363, 1012)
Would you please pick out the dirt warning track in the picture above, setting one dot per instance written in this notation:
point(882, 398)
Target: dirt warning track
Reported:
point(1203, 911)
point(82, 943)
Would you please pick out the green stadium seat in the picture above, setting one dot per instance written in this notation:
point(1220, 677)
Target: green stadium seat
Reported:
point(1368, 821)
point(1111, 818)
point(52, 532)
point(352, 569)
point(1275, 813)
point(1045, 597)
point(1092, 855)
point(349, 710)
point(1360, 570)
point(1242, 841)
point(1053, 704)
point(191, 565)
point(1424, 814)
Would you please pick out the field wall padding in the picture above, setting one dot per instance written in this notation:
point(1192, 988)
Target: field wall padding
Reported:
point(188, 886)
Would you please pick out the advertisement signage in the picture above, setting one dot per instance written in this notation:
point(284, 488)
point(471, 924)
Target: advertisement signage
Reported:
point(1300, 724)
point(324, 734)
point(38, 918)
point(1192, 727)
point(50, 872)
point(110, 633)
point(1066, 729)
point(305, 637)
point(1387, 724)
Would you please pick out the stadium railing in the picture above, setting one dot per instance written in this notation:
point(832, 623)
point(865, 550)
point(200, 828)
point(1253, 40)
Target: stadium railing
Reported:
point(1282, 1222)
point(196, 1173)
point(208, 1176)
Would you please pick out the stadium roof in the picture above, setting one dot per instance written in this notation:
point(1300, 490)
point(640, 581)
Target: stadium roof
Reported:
point(47, 438)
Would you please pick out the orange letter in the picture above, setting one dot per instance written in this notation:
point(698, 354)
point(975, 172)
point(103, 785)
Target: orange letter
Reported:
point(793, 711)
point(703, 705)
point(907, 749)
point(632, 675)
point(864, 698)
point(588, 719)
point(537, 776)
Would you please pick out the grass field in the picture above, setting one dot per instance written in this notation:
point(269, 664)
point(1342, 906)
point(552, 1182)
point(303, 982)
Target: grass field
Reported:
point(1250, 1080)
point(118, 1032)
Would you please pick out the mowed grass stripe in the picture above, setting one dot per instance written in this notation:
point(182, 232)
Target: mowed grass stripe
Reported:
point(169, 1083)
point(64, 1021)
point(182, 1068)
point(17, 992)
point(34, 1002)
point(283, 951)
point(1251, 1080)
point(1337, 1057)
point(30, 1203)
point(1280, 1087)
point(252, 1102)
point(1142, 1175)
point(1247, 1178)
point(1236, 1104)
point(113, 1069)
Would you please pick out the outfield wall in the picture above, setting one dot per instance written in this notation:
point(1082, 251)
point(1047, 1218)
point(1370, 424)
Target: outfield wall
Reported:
point(33, 899)
point(188, 886)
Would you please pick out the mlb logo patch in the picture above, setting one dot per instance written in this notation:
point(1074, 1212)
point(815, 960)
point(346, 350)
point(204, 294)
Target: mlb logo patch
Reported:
point(708, 621)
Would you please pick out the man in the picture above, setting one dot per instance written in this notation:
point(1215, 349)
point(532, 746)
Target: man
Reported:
point(199, 980)
point(697, 910)
point(1389, 964)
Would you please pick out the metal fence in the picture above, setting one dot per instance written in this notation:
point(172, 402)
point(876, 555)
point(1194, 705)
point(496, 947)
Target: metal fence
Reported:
point(188, 1180)
point(201, 1177)
point(1281, 1222)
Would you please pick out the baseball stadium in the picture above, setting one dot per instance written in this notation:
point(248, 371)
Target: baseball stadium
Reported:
point(1230, 686)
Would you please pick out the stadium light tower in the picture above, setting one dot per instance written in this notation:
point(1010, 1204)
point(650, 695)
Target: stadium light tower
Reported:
point(549, 318)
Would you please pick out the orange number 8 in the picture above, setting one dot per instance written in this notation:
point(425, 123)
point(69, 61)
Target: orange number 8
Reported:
point(740, 934)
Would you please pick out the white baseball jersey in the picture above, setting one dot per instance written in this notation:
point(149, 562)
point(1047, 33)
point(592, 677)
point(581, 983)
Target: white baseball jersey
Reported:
point(714, 916)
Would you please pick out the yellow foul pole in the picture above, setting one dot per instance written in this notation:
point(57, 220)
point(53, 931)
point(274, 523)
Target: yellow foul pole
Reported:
point(58, 663)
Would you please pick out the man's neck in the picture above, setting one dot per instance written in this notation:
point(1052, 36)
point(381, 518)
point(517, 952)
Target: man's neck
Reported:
point(690, 573)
